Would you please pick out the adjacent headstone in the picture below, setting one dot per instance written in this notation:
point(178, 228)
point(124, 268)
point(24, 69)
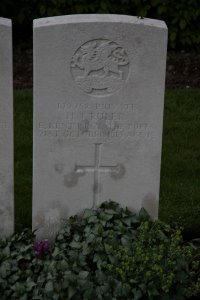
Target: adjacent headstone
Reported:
point(6, 129)
point(98, 112)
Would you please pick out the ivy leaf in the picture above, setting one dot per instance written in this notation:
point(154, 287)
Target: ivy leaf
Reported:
point(49, 287)
point(92, 219)
point(128, 220)
point(85, 248)
point(126, 241)
point(83, 274)
point(105, 217)
point(103, 223)
point(24, 297)
point(88, 213)
point(143, 214)
point(71, 292)
point(4, 269)
point(56, 251)
point(98, 260)
point(107, 248)
point(30, 285)
point(13, 279)
point(75, 245)
point(90, 238)
point(63, 265)
point(6, 251)
point(59, 237)
point(137, 294)
point(67, 275)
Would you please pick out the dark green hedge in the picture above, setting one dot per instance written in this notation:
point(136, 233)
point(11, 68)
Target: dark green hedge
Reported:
point(182, 17)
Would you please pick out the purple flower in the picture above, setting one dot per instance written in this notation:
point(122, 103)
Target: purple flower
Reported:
point(45, 246)
point(41, 247)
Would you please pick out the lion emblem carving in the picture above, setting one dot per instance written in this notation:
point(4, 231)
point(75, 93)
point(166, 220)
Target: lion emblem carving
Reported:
point(100, 67)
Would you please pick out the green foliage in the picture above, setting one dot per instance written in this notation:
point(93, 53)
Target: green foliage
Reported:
point(108, 253)
point(182, 17)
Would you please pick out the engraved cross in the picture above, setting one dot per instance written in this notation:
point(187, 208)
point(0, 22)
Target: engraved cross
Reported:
point(97, 168)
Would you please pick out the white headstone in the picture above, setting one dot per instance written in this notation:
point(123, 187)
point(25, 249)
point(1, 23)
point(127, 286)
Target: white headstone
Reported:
point(6, 129)
point(98, 113)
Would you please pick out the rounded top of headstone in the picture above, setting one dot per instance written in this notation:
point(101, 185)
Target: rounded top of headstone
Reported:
point(104, 18)
point(5, 22)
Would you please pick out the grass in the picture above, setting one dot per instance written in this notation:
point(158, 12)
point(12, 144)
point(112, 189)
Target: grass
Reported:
point(180, 172)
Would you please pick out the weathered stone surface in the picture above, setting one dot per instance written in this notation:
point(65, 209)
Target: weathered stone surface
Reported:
point(98, 113)
point(6, 129)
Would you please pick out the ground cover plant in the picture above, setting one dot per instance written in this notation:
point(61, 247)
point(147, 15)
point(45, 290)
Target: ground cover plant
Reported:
point(108, 253)
point(180, 170)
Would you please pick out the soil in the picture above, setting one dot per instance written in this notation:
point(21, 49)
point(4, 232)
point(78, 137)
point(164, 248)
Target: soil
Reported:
point(183, 69)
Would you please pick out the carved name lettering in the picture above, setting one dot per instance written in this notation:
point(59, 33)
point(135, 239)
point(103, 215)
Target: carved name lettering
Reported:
point(96, 106)
point(96, 120)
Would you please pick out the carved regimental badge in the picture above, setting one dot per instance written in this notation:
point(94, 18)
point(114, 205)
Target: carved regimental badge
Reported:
point(100, 67)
